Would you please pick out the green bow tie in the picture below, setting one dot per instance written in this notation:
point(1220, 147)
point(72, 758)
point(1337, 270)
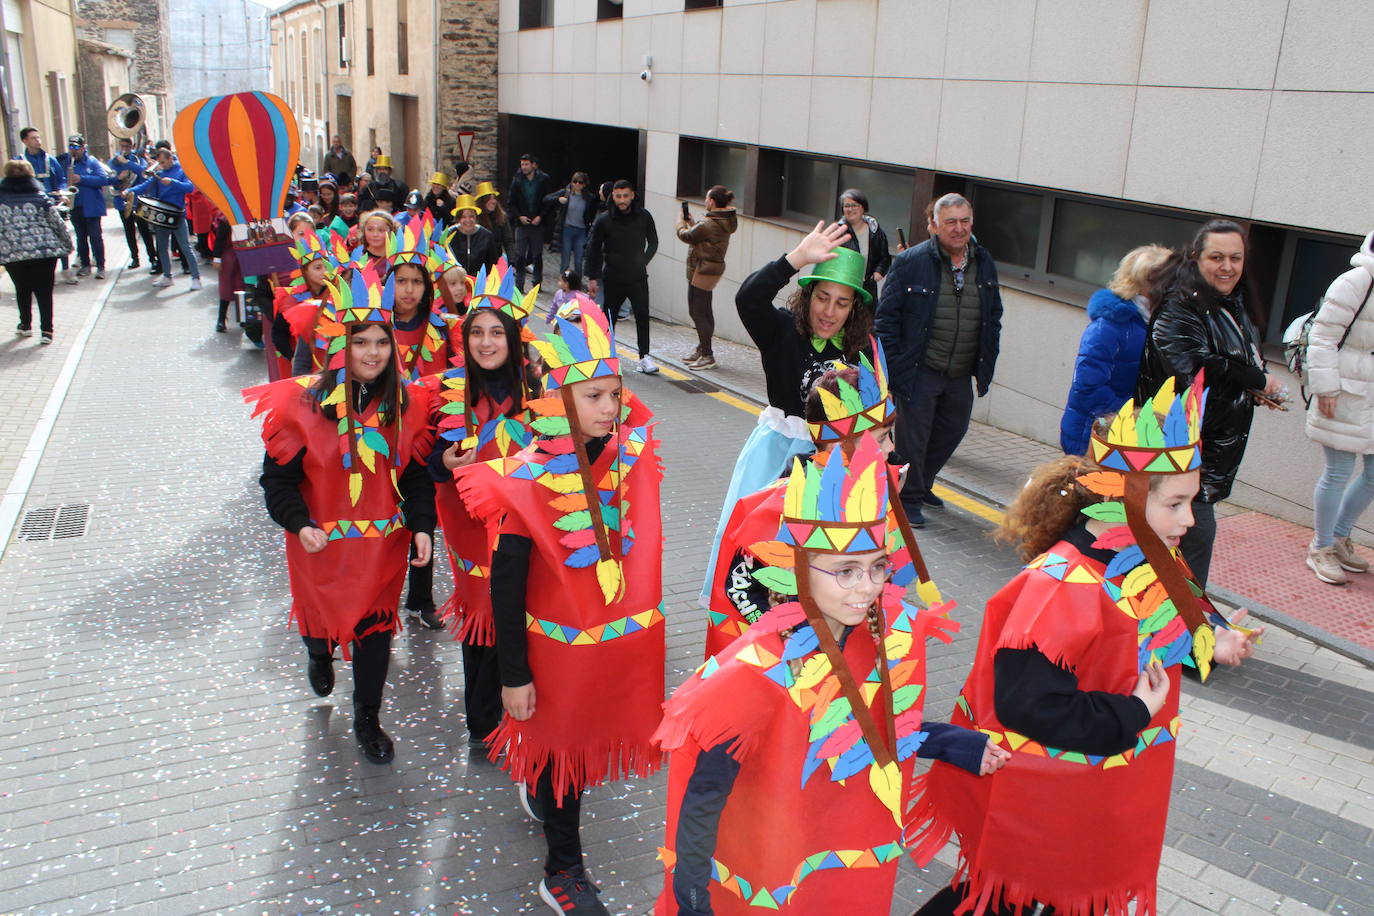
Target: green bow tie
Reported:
point(819, 342)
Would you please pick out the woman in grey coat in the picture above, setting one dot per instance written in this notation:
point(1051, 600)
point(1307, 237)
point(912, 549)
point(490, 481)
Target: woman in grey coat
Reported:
point(32, 238)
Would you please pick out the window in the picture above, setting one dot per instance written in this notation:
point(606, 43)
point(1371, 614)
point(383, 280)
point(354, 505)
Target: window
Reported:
point(318, 76)
point(610, 9)
point(809, 191)
point(305, 74)
point(536, 14)
point(1316, 262)
point(371, 48)
point(1090, 239)
point(1007, 223)
point(57, 95)
point(701, 4)
point(703, 163)
point(888, 193)
point(402, 37)
point(344, 56)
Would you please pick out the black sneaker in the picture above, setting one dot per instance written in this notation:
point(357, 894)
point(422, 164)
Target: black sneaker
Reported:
point(428, 617)
point(915, 516)
point(320, 671)
point(154, 269)
point(572, 892)
point(935, 502)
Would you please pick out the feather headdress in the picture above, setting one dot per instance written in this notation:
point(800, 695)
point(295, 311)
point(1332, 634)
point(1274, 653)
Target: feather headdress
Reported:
point(1162, 436)
point(496, 289)
point(856, 409)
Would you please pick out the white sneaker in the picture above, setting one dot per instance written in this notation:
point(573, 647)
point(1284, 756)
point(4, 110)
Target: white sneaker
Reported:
point(161, 282)
point(1348, 558)
point(68, 277)
point(195, 283)
point(100, 273)
point(648, 366)
point(1323, 562)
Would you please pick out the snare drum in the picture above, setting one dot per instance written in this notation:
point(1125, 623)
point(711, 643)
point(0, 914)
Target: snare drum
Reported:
point(157, 214)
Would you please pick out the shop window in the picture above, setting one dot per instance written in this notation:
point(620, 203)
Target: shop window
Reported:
point(610, 9)
point(701, 4)
point(809, 191)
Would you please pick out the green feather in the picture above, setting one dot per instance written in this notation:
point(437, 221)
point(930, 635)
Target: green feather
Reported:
point(1107, 512)
point(574, 521)
point(551, 426)
point(782, 581)
point(850, 396)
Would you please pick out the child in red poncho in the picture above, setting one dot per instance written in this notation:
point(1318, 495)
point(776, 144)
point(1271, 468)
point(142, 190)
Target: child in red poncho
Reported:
point(793, 749)
point(1077, 675)
point(576, 593)
point(344, 475)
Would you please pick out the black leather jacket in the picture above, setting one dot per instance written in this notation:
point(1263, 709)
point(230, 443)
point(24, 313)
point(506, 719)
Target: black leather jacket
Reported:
point(1196, 331)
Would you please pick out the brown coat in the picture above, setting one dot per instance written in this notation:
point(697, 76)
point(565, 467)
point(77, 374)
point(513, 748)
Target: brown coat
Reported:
point(707, 242)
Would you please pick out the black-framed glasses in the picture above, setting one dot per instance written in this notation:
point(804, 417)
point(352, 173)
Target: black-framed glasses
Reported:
point(853, 576)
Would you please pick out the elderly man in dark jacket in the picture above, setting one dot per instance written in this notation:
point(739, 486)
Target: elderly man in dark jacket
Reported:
point(940, 321)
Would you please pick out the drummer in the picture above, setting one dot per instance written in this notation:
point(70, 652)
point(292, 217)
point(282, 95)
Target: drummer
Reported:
point(167, 189)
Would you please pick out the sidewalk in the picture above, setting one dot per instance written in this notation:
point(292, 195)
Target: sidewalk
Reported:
point(1260, 560)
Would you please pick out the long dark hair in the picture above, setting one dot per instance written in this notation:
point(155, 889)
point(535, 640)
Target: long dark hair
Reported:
point(387, 385)
point(1179, 277)
point(427, 297)
point(513, 372)
point(857, 327)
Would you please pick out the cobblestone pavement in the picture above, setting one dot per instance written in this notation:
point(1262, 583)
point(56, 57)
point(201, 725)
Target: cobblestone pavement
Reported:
point(164, 755)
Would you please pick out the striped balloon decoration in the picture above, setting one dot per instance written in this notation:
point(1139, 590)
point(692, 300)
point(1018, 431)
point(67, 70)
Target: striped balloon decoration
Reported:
point(240, 151)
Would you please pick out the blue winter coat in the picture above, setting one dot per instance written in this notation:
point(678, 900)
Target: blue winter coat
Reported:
point(92, 178)
point(173, 193)
point(1104, 375)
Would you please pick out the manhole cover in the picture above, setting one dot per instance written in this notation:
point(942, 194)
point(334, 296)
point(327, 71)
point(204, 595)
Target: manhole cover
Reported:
point(53, 523)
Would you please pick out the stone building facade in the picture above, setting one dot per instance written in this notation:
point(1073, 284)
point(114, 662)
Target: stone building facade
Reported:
point(404, 75)
point(39, 84)
point(142, 30)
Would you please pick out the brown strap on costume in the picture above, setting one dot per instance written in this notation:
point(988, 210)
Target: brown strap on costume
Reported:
point(883, 748)
point(584, 469)
point(1158, 556)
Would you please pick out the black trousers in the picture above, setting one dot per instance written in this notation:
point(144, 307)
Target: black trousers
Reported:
point(33, 279)
point(930, 425)
point(481, 689)
point(134, 229)
point(420, 583)
point(1196, 545)
point(529, 253)
point(699, 310)
point(637, 291)
point(561, 824)
point(371, 659)
point(945, 902)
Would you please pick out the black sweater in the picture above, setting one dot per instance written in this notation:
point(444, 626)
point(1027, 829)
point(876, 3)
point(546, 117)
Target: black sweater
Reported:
point(791, 365)
point(621, 245)
point(1041, 700)
point(510, 572)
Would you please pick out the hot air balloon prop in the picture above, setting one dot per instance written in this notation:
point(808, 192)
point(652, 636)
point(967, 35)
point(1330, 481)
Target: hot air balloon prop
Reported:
point(241, 150)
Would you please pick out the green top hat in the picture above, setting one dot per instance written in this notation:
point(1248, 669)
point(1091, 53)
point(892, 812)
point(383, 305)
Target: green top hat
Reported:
point(847, 268)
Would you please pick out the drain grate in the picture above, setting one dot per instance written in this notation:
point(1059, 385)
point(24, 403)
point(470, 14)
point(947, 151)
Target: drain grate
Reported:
point(55, 523)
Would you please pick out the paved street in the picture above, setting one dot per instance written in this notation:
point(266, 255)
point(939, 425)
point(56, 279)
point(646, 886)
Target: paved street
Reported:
point(164, 755)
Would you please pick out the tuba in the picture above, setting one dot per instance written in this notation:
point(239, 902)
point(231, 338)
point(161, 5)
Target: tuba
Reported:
point(125, 120)
point(125, 116)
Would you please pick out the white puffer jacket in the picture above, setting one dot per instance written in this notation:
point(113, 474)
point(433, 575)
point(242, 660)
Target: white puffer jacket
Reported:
point(1349, 372)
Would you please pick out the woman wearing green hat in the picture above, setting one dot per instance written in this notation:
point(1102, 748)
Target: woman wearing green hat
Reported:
point(822, 322)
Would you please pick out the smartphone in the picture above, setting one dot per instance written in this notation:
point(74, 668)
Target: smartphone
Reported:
point(901, 236)
point(686, 214)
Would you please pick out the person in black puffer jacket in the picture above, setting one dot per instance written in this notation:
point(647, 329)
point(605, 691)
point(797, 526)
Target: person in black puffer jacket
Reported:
point(32, 238)
point(1201, 323)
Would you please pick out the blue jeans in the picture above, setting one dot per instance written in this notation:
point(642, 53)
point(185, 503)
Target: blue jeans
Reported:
point(164, 249)
point(574, 241)
point(1335, 505)
point(89, 240)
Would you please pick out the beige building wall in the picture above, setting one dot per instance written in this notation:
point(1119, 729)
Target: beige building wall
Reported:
point(298, 75)
point(48, 43)
point(1258, 109)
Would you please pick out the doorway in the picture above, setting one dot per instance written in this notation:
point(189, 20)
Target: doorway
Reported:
point(405, 138)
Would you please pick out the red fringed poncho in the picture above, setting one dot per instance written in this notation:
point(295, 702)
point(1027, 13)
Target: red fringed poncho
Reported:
point(598, 668)
point(792, 836)
point(361, 571)
point(1079, 832)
